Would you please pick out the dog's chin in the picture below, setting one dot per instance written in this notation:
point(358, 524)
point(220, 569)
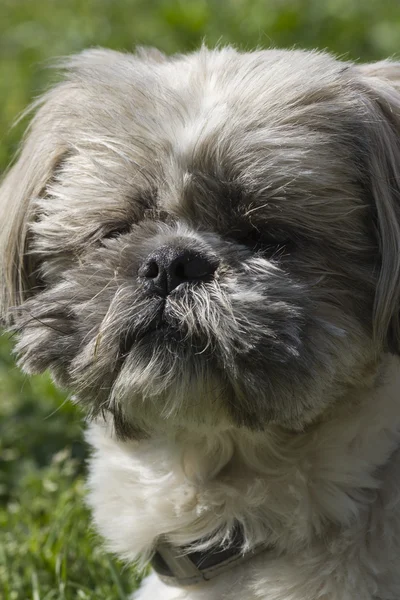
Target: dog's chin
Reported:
point(170, 378)
point(175, 376)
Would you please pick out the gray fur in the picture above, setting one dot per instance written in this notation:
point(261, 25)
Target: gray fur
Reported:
point(285, 165)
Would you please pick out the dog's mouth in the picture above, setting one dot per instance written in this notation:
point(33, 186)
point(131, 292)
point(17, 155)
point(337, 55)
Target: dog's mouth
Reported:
point(155, 325)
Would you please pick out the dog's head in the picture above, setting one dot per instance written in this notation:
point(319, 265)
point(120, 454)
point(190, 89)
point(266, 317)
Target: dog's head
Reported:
point(212, 238)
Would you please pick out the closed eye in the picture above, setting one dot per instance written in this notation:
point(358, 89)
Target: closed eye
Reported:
point(264, 242)
point(117, 231)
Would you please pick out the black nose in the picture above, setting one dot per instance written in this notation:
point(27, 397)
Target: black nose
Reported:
point(169, 266)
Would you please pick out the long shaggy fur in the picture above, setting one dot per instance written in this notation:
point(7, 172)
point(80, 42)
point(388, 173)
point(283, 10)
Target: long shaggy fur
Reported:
point(267, 394)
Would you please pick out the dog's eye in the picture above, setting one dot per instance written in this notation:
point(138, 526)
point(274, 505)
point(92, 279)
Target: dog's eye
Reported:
point(269, 242)
point(117, 231)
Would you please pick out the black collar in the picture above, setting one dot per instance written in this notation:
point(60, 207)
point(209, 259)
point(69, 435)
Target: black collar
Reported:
point(177, 565)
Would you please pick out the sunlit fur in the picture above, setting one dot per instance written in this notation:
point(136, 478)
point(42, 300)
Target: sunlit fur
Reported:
point(268, 393)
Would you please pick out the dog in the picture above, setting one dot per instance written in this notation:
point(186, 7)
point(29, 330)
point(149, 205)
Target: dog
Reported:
point(205, 249)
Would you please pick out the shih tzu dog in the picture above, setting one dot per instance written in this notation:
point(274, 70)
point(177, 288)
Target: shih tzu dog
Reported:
point(205, 250)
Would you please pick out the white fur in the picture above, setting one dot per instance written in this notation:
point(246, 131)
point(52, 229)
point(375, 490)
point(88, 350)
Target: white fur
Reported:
point(327, 499)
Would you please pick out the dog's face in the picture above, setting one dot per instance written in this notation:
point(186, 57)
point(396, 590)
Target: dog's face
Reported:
point(207, 239)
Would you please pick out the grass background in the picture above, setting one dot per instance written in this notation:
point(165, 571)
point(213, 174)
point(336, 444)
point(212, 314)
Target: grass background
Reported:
point(48, 550)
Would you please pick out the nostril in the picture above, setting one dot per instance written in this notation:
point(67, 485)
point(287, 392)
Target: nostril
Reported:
point(152, 270)
point(197, 268)
point(194, 268)
point(180, 271)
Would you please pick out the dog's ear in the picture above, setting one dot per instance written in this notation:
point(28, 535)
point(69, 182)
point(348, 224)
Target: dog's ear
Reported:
point(41, 154)
point(63, 118)
point(380, 93)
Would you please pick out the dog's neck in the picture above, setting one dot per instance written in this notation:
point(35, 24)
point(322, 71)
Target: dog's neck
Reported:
point(283, 488)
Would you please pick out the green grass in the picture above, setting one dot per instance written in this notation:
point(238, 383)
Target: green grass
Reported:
point(48, 549)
